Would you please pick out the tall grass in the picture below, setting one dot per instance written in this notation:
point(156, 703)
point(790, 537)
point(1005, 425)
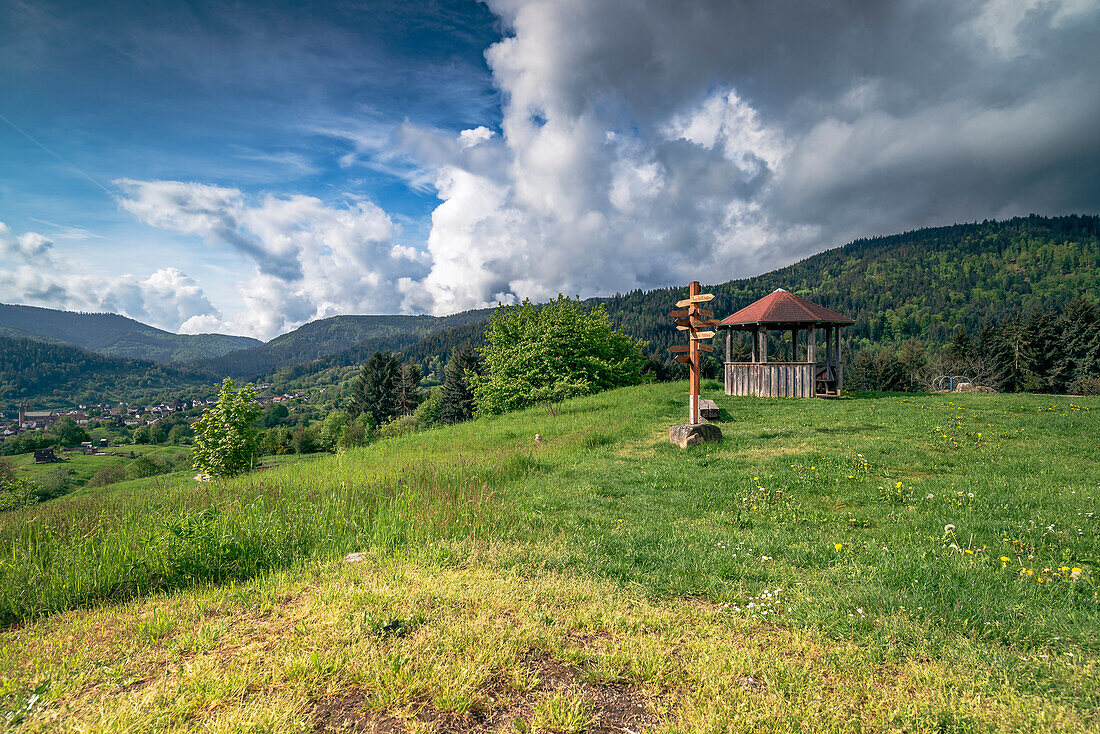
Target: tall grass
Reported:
point(171, 532)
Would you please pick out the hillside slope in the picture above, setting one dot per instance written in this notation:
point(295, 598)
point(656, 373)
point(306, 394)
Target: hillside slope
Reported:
point(810, 572)
point(115, 336)
point(337, 341)
point(59, 375)
point(917, 284)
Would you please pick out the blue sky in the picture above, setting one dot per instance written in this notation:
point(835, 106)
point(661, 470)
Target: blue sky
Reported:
point(246, 167)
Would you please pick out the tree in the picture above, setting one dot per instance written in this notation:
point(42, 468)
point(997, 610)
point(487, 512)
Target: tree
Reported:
point(408, 389)
point(544, 355)
point(457, 398)
point(225, 441)
point(375, 391)
point(68, 432)
point(333, 429)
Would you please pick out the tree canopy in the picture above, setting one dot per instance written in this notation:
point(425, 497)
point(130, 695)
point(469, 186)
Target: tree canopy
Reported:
point(544, 355)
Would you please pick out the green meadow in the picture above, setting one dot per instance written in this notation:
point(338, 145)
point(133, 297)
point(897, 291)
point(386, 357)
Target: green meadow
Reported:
point(876, 563)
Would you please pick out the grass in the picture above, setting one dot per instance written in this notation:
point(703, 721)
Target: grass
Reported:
point(84, 468)
point(830, 565)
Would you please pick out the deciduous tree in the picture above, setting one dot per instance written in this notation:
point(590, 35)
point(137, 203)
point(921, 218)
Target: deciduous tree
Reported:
point(225, 440)
point(547, 354)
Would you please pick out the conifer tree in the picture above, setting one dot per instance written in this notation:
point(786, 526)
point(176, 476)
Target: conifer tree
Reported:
point(457, 397)
point(408, 389)
point(375, 390)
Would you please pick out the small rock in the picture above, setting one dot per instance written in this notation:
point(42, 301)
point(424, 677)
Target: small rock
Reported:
point(354, 558)
point(751, 684)
point(694, 434)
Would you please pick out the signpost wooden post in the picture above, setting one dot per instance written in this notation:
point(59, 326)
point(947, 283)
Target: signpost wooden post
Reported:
point(699, 323)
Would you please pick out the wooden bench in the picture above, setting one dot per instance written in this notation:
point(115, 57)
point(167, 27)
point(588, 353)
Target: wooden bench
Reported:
point(708, 410)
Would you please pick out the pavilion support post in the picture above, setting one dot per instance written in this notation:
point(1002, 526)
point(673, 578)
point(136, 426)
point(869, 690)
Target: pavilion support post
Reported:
point(762, 348)
point(839, 366)
point(811, 346)
point(794, 345)
point(729, 345)
point(828, 347)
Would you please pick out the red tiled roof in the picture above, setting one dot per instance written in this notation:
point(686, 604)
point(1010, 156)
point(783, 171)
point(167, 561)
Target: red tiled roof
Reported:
point(781, 307)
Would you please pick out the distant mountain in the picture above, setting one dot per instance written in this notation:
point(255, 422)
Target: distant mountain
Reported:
point(115, 336)
point(334, 340)
point(61, 375)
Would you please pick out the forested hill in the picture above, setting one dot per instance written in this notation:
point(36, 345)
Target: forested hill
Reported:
point(59, 375)
point(113, 335)
point(339, 340)
point(917, 284)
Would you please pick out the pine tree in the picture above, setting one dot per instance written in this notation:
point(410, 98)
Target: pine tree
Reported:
point(408, 389)
point(375, 391)
point(458, 398)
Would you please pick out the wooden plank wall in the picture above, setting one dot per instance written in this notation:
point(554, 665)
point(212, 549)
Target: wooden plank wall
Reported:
point(771, 379)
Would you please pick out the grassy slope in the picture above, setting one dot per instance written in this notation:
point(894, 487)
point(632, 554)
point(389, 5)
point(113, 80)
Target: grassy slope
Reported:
point(609, 552)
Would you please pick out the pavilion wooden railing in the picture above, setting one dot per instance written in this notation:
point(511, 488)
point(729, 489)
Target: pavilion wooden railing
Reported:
point(771, 379)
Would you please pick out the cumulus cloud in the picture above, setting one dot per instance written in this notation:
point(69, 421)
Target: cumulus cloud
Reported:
point(26, 246)
point(168, 298)
point(643, 143)
point(312, 259)
point(647, 143)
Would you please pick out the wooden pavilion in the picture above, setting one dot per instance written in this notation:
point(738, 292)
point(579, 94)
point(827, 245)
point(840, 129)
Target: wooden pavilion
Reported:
point(783, 311)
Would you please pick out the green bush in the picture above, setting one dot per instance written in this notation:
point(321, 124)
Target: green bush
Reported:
point(112, 474)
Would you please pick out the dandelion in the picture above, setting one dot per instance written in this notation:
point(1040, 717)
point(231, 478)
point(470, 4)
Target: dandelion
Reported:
point(949, 528)
point(897, 486)
point(838, 546)
point(970, 495)
point(1006, 559)
point(1075, 574)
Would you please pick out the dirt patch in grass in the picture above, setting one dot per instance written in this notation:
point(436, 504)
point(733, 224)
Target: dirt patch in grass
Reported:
point(502, 705)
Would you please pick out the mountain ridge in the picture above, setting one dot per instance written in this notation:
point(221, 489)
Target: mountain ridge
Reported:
point(114, 335)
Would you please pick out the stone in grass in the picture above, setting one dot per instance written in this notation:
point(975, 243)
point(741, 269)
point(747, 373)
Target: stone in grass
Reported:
point(693, 434)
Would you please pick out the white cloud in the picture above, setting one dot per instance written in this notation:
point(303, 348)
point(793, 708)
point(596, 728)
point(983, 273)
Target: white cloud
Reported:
point(168, 299)
point(27, 246)
point(312, 259)
point(645, 144)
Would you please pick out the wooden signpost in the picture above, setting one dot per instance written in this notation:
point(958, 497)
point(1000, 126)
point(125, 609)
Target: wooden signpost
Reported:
point(699, 323)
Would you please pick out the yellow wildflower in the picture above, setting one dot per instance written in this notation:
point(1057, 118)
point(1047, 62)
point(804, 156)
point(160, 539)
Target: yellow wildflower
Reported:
point(838, 546)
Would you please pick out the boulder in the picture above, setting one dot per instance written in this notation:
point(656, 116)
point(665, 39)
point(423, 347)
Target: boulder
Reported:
point(694, 434)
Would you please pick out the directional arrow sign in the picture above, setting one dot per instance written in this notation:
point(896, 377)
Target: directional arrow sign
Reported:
point(706, 348)
point(703, 313)
point(680, 314)
point(702, 335)
point(684, 358)
point(701, 298)
point(680, 348)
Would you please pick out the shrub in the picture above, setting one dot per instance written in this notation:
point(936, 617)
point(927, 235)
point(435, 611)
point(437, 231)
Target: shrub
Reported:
point(225, 441)
point(145, 466)
point(112, 474)
point(54, 483)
